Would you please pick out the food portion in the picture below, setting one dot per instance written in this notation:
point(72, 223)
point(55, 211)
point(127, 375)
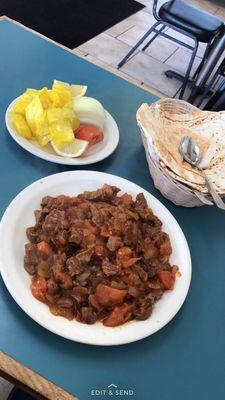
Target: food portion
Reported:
point(59, 116)
point(90, 133)
point(98, 256)
point(164, 131)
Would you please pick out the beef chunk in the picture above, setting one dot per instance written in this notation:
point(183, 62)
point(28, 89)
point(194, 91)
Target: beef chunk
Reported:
point(114, 243)
point(31, 258)
point(32, 234)
point(140, 201)
point(143, 307)
point(55, 221)
point(106, 193)
point(75, 236)
point(109, 268)
point(88, 315)
point(74, 266)
point(85, 256)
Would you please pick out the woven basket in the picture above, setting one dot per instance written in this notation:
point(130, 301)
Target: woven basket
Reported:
point(178, 193)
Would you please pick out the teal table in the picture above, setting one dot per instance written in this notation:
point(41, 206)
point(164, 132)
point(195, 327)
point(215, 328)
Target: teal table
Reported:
point(186, 359)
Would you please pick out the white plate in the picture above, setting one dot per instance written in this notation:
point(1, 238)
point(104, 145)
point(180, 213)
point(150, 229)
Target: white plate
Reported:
point(20, 215)
point(93, 154)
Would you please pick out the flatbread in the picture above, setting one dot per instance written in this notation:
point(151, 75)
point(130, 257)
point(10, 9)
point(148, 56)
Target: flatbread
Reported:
point(166, 141)
point(194, 186)
point(207, 129)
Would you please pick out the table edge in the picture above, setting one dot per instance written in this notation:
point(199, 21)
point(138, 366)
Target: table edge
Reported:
point(33, 383)
point(116, 72)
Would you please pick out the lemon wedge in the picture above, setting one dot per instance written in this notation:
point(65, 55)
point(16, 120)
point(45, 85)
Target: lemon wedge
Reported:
point(78, 91)
point(74, 149)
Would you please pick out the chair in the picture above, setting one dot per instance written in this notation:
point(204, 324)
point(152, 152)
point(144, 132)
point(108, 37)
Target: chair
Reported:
point(217, 101)
point(182, 17)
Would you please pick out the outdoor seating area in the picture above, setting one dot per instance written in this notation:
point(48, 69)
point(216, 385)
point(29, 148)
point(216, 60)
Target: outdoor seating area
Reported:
point(151, 60)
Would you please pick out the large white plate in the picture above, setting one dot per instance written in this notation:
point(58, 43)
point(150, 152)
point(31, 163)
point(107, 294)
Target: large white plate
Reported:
point(19, 215)
point(93, 154)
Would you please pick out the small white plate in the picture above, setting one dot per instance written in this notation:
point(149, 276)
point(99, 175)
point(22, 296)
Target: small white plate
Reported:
point(20, 215)
point(93, 154)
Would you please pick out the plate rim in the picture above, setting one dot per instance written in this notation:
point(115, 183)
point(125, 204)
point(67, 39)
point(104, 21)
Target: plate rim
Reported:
point(56, 158)
point(25, 308)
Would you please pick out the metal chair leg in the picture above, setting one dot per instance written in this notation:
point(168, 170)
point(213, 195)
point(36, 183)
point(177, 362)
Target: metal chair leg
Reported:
point(123, 61)
point(153, 38)
point(183, 87)
point(205, 55)
point(217, 101)
point(211, 82)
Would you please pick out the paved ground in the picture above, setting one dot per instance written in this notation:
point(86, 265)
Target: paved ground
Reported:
point(5, 388)
point(147, 67)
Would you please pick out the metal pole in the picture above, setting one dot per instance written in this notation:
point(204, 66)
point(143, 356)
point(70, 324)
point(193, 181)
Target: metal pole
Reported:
point(215, 53)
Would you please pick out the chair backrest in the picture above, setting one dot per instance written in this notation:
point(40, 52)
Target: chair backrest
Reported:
point(155, 6)
point(154, 9)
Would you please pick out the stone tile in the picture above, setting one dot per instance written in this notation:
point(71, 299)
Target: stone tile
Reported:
point(112, 69)
point(79, 52)
point(201, 49)
point(145, 2)
point(221, 13)
point(119, 28)
point(180, 36)
point(106, 48)
point(120, 74)
point(151, 72)
point(148, 5)
point(5, 388)
point(180, 60)
point(160, 49)
point(141, 18)
point(186, 40)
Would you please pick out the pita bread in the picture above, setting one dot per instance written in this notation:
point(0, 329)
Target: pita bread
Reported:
point(207, 129)
point(200, 188)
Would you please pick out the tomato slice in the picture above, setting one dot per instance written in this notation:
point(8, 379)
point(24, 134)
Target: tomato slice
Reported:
point(108, 296)
point(127, 198)
point(167, 278)
point(44, 249)
point(39, 288)
point(90, 133)
point(117, 316)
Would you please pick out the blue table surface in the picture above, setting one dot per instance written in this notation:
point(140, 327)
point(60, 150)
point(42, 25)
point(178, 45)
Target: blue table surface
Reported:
point(186, 359)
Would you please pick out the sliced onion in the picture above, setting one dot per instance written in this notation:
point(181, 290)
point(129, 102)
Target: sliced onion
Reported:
point(90, 111)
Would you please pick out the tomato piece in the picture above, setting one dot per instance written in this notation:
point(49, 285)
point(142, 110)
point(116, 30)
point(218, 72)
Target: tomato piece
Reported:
point(44, 249)
point(63, 199)
point(124, 252)
point(127, 198)
point(117, 316)
point(165, 248)
point(90, 133)
point(129, 262)
point(108, 296)
point(125, 257)
point(105, 233)
point(39, 288)
point(85, 205)
point(167, 278)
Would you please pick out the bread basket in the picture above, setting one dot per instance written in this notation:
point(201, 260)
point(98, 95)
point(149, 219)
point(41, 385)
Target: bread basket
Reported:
point(178, 193)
